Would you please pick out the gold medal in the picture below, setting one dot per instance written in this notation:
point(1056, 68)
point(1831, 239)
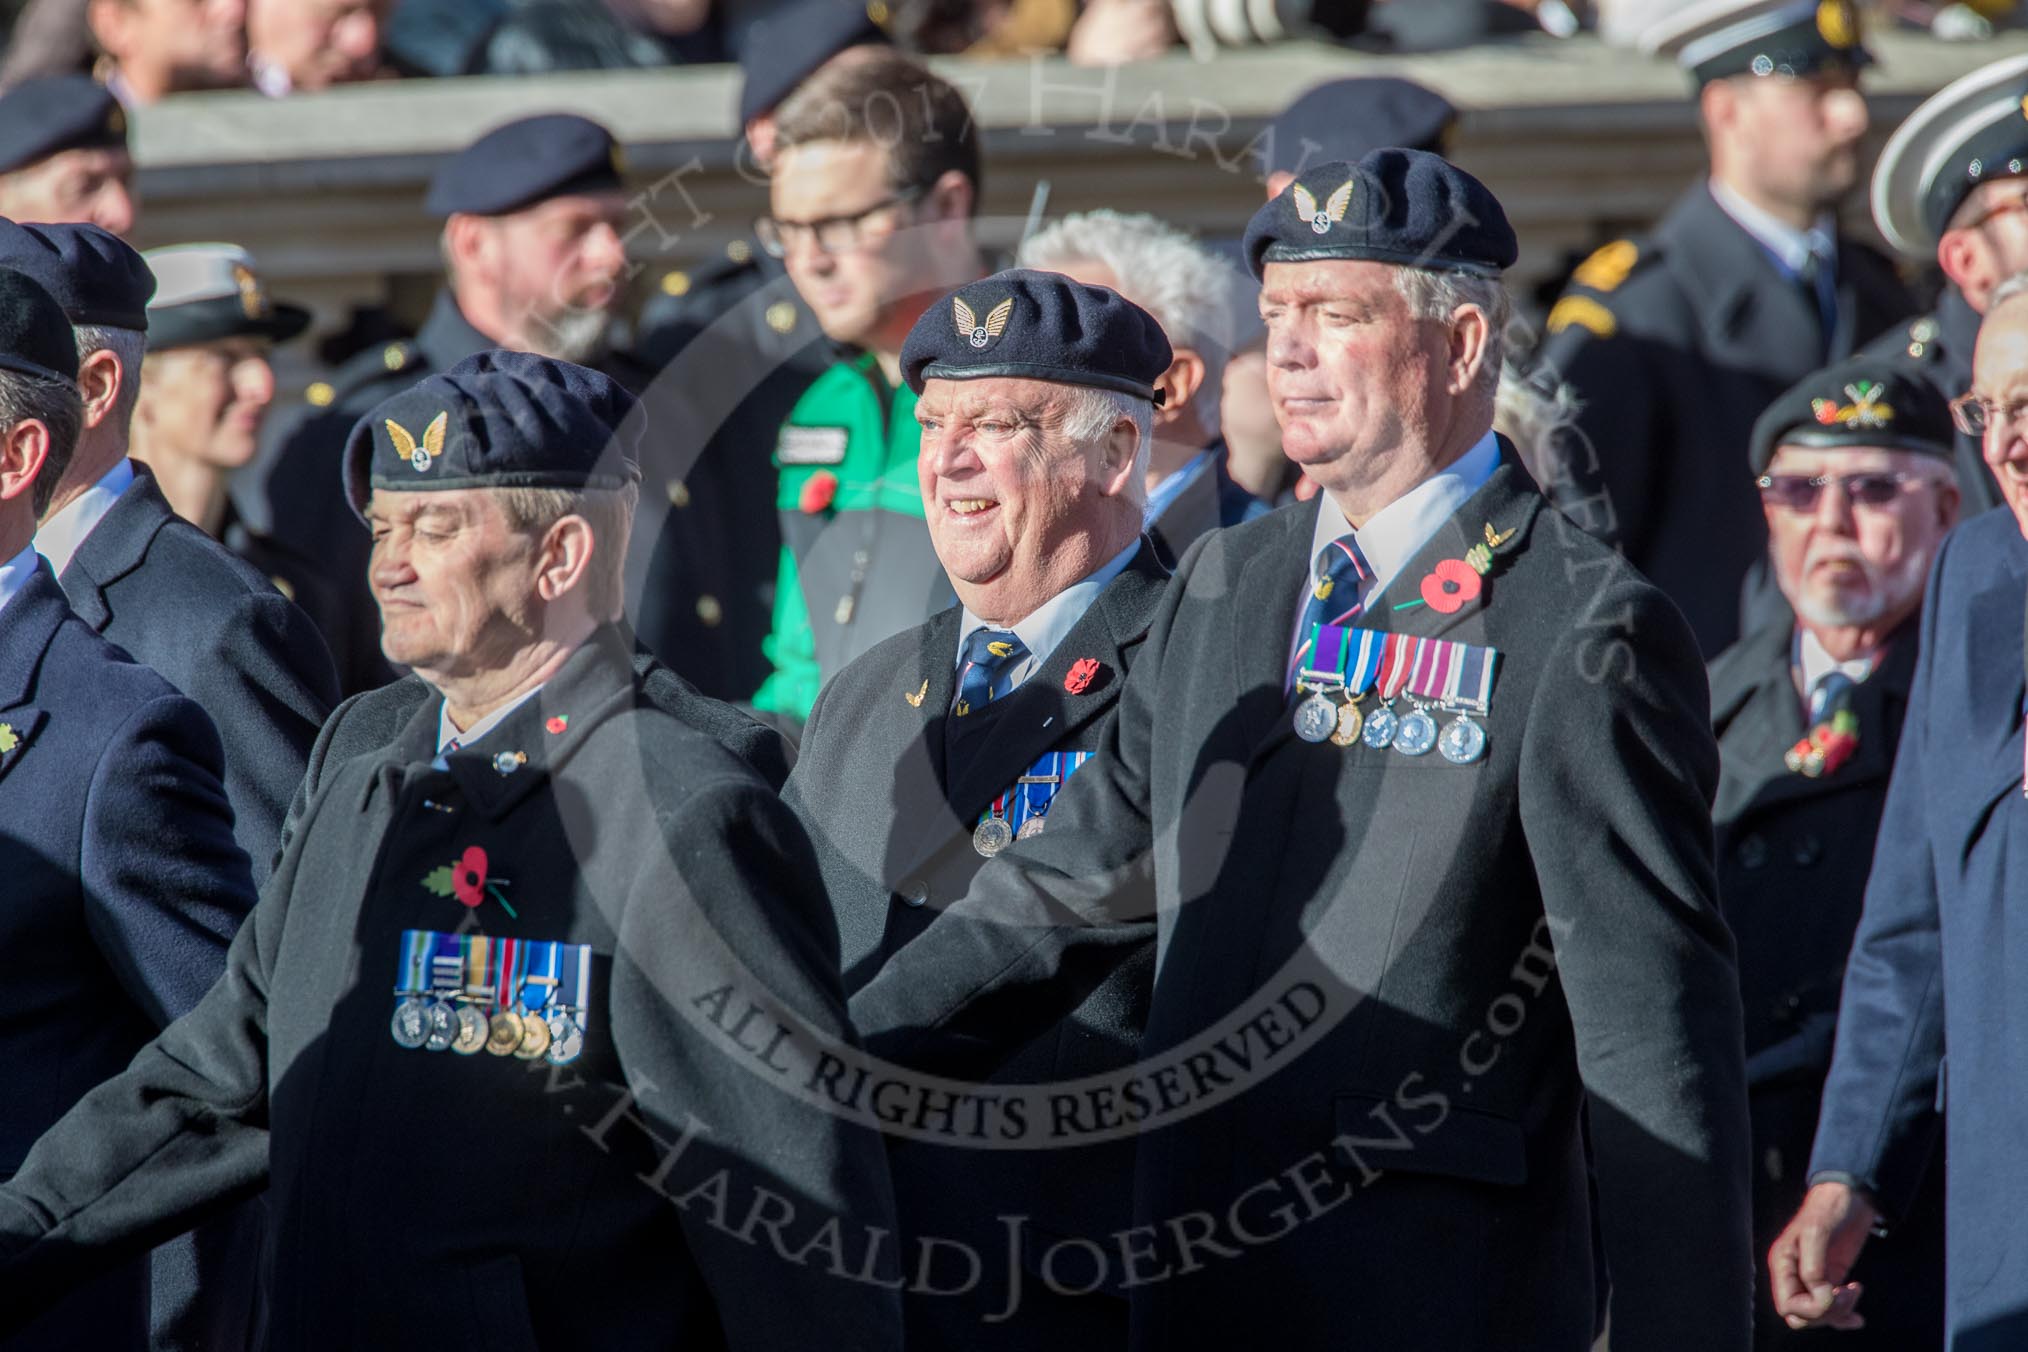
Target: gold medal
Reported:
point(1350, 723)
point(535, 1038)
point(503, 1034)
point(473, 1031)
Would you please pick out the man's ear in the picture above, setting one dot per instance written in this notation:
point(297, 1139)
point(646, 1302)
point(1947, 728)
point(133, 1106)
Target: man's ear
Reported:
point(100, 378)
point(1121, 444)
point(24, 451)
point(950, 198)
point(1179, 385)
point(1471, 335)
point(1957, 253)
point(565, 558)
point(465, 239)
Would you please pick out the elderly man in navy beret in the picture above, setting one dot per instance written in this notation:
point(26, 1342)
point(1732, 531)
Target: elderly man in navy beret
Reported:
point(63, 154)
point(938, 747)
point(467, 1038)
point(1414, 781)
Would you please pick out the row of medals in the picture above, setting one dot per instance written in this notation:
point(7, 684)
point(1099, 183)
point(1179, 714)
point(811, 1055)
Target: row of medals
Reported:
point(1320, 718)
point(438, 1025)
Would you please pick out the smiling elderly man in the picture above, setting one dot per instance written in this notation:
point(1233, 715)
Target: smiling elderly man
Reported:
point(937, 748)
point(1936, 965)
point(1854, 466)
point(1483, 890)
point(458, 1037)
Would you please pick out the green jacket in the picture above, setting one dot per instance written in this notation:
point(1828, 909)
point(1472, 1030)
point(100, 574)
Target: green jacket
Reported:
point(856, 565)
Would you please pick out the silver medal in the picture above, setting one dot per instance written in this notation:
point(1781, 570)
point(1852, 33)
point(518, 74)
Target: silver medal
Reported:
point(991, 836)
point(566, 1036)
point(1416, 735)
point(1463, 741)
point(472, 1029)
point(411, 1025)
point(443, 1027)
point(1381, 725)
point(1316, 719)
point(1030, 828)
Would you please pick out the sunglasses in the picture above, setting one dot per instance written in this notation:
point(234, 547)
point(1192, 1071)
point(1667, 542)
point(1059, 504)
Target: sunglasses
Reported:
point(1800, 492)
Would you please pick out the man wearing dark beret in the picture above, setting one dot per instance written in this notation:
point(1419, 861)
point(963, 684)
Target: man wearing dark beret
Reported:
point(1414, 781)
point(124, 886)
point(736, 346)
point(937, 748)
point(63, 154)
point(1951, 185)
point(1854, 472)
point(154, 584)
point(477, 995)
point(532, 212)
point(1675, 341)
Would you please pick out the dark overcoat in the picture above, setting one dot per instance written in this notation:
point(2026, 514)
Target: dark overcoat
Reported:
point(1430, 1043)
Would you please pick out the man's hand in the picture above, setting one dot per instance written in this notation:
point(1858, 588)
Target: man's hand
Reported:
point(1810, 1259)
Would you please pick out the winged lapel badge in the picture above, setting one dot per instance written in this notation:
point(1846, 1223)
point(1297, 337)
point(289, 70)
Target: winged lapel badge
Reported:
point(969, 327)
point(420, 457)
point(1333, 211)
point(915, 698)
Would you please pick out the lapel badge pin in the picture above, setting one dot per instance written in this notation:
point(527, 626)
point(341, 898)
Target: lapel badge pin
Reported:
point(915, 698)
point(1829, 745)
point(556, 724)
point(1082, 673)
point(507, 762)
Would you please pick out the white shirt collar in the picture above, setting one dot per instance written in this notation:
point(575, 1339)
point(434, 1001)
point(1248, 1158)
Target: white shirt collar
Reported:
point(14, 574)
point(1397, 532)
point(1791, 246)
point(1817, 663)
point(1051, 621)
point(447, 731)
point(59, 537)
point(1164, 494)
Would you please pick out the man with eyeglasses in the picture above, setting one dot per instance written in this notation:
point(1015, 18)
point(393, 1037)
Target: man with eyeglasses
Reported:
point(1854, 473)
point(1937, 962)
point(1675, 341)
point(1952, 185)
point(876, 179)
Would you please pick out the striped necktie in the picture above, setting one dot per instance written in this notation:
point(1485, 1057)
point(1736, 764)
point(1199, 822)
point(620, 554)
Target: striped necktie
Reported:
point(1338, 573)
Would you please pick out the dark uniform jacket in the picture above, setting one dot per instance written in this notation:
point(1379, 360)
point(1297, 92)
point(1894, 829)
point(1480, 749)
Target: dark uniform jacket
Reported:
point(1793, 855)
point(430, 1199)
point(1938, 957)
point(123, 889)
point(889, 789)
point(733, 348)
point(1208, 502)
point(1674, 345)
point(366, 724)
point(1938, 346)
point(1422, 1033)
point(216, 629)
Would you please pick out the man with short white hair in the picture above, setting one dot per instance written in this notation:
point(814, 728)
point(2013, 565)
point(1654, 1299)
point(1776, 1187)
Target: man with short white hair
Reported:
point(1192, 294)
point(937, 748)
point(1936, 965)
point(1414, 783)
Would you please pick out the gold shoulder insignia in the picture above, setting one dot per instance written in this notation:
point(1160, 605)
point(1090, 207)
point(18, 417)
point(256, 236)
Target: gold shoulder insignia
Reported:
point(1607, 267)
point(1585, 313)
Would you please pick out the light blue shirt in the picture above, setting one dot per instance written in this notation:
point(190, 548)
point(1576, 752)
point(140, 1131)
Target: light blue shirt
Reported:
point(1048, 625)
point(1791, 247)
point(447, 731)
point(1163, 494)
point(14, 574)
point(59, 537)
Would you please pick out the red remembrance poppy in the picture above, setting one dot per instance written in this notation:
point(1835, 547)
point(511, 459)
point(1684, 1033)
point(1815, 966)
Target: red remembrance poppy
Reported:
point(1082, 673)
point(1450, 585)
point(468, 877)
point(558, 723)
point(819, 490)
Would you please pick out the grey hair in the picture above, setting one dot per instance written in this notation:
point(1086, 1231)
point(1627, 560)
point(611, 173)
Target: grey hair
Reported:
point(609, 513)
point(57, 407)
point(130, 346)
point(2013, 288)
point(1193, 296)
point(1090, 417)
point(1438, 294)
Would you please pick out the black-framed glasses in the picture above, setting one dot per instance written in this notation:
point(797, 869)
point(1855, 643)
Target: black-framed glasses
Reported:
point(1973, 415)
point(832, 234)
point(1870, 488)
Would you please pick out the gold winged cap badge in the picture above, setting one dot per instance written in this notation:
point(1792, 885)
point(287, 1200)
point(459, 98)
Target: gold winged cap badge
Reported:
point(969, 327)
point(1334, 208)
point(420, 457)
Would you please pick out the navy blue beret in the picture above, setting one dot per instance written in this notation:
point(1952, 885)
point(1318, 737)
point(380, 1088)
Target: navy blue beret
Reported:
point(525, 162)
point(1394, 206)
point(785, 49)
point(1344, 119)
point(97, 277)
point(1862, 401)
point(497, 420)
point(55, 113)
point(35, 338)
point(1042, 326)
